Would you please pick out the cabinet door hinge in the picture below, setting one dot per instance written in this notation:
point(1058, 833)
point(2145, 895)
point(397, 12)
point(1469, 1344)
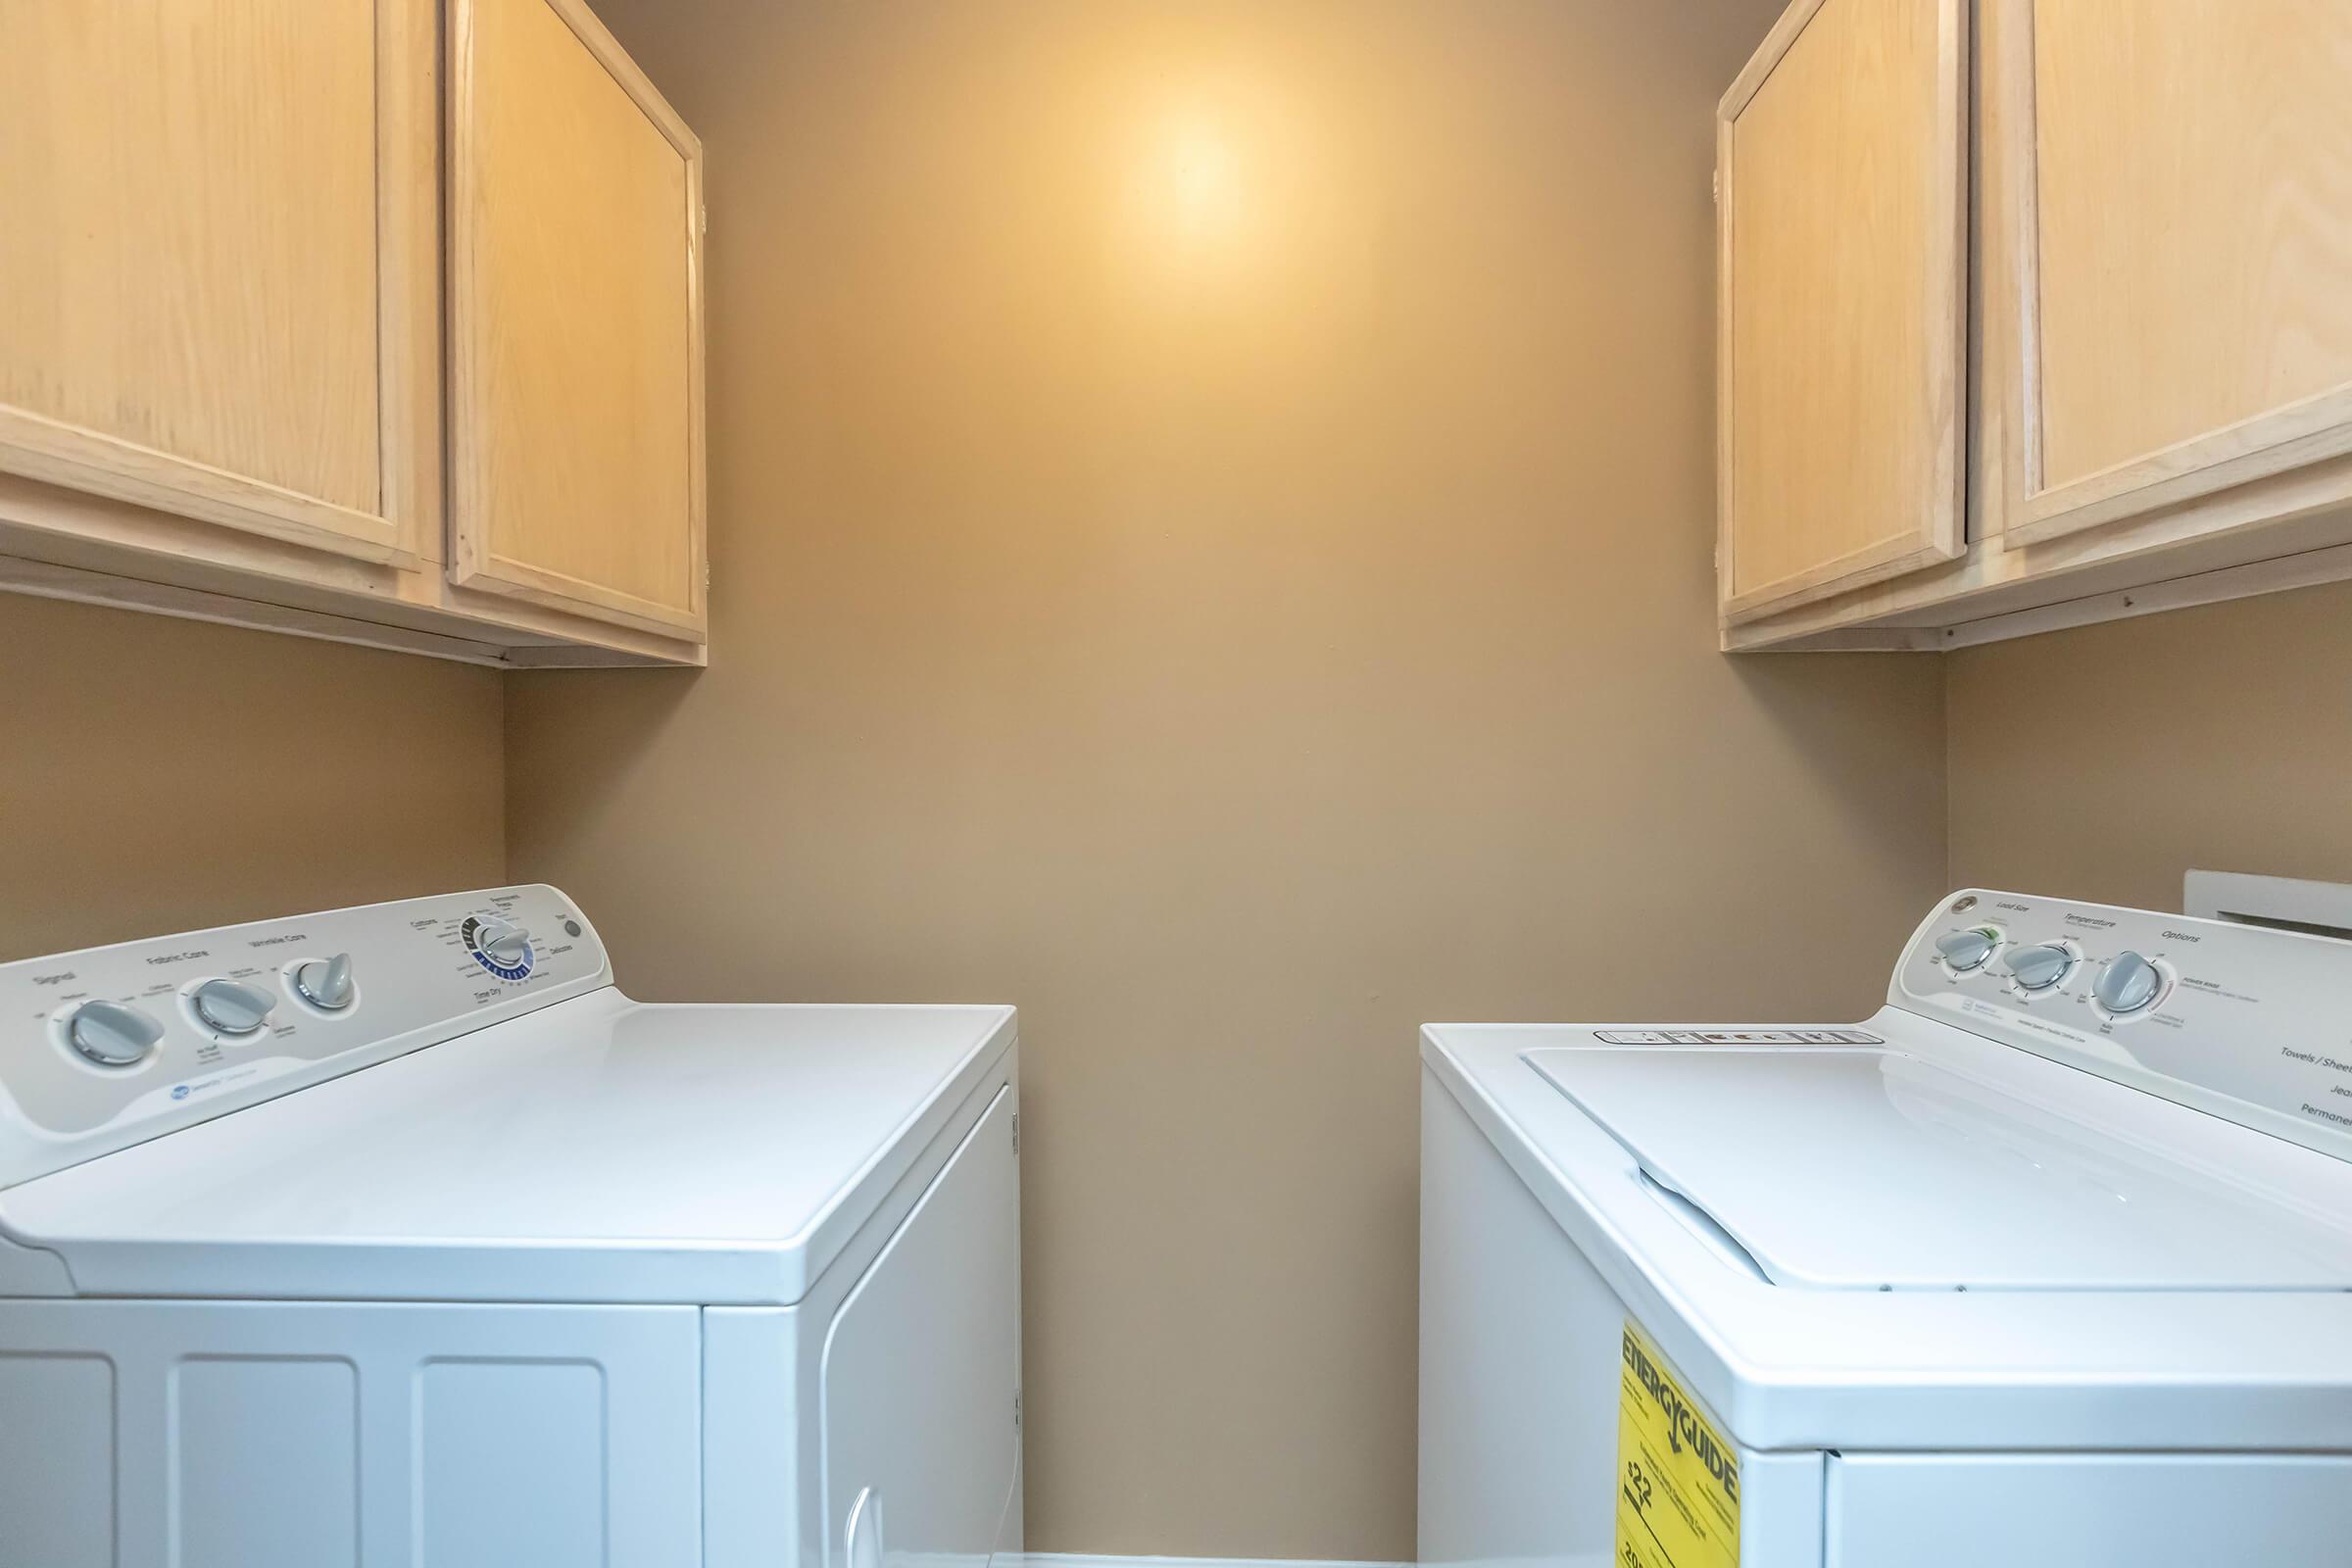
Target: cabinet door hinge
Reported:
point(1016, 1408)
point(1017, 1132)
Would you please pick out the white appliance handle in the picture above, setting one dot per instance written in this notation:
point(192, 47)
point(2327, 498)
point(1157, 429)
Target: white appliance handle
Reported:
point(862, 1535)
point(1705, 1226)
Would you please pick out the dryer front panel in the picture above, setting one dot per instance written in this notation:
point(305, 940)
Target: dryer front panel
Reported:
point(307, 1435)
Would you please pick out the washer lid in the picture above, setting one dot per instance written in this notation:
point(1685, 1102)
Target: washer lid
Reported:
point(1862, 1169)
point(598, 1149)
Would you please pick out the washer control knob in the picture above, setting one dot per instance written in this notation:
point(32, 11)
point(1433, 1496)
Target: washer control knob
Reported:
point(2129, 983)
point(232, 1007)
point(1968, 950)
point(111, 1034)
point(2040, 966)
point(325, 983)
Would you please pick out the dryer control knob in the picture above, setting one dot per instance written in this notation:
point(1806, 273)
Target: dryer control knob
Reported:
point(232, 1007)
point(2040, 966)
point(110, 1034)
point(325, 983)
point(1968, 950)
point(504, 941)
point(2128, 984)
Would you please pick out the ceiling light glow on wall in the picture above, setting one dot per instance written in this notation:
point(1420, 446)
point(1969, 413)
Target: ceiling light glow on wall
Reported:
point(1192, 186)
point(1200, 180)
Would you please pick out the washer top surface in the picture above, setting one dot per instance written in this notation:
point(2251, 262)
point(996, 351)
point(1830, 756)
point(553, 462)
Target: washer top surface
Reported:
point(2126, 1133)
point(597, 1148)
point(1866, 1168)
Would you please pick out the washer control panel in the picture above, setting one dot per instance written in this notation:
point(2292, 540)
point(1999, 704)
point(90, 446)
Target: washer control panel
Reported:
point(2250, 1023)
point(110, 1045)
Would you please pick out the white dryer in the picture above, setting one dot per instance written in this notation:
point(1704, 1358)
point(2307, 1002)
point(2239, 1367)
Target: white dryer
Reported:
point(397, 1235)
point(2049, 1264)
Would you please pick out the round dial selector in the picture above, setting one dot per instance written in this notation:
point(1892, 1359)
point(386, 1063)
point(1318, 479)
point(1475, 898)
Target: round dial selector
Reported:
point(325, 983)
point(113, 1033)
point(2040, 966)
point(1963, 951)
point(2128, 984)
point(499, 946)
point(232, 1007)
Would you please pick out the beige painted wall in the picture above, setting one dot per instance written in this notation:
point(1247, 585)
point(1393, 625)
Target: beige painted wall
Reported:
point(157, 775)
point(1210, 514)
point(2103, 763)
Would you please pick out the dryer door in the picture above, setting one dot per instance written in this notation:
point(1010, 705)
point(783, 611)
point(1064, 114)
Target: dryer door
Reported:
point(921, 1374)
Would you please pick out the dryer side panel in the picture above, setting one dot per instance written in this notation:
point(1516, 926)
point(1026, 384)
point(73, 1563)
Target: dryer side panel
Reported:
point(920, 1377)
point(307, 1435)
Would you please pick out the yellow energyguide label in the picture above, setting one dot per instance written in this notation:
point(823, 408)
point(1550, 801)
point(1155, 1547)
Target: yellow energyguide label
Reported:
point(1678, 1478)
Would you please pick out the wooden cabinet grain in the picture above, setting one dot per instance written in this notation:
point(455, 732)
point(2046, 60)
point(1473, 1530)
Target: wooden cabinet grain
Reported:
point(2186, 248)
point(218, 263)
point(2158, 368)
point(575, 321)
point(1842, 212)
point(229, 254)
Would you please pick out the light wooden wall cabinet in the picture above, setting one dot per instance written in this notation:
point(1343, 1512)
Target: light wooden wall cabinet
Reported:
point(228, 267)
point(1841, 179)
point(2063, 337)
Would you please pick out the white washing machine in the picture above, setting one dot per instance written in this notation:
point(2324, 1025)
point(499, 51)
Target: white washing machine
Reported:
point(397, 1235)
point(2049, 1264)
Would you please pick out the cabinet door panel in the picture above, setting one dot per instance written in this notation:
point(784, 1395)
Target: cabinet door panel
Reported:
point(205, 266)
point(575, 321)
point(1841, 161)
point(2188, 259)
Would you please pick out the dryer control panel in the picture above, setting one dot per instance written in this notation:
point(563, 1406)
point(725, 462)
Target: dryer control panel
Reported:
point(2244, 1021)
point(111, 1046)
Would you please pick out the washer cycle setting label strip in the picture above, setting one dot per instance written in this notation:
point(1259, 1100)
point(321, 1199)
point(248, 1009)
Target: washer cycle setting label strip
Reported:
point(1677, 1477)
